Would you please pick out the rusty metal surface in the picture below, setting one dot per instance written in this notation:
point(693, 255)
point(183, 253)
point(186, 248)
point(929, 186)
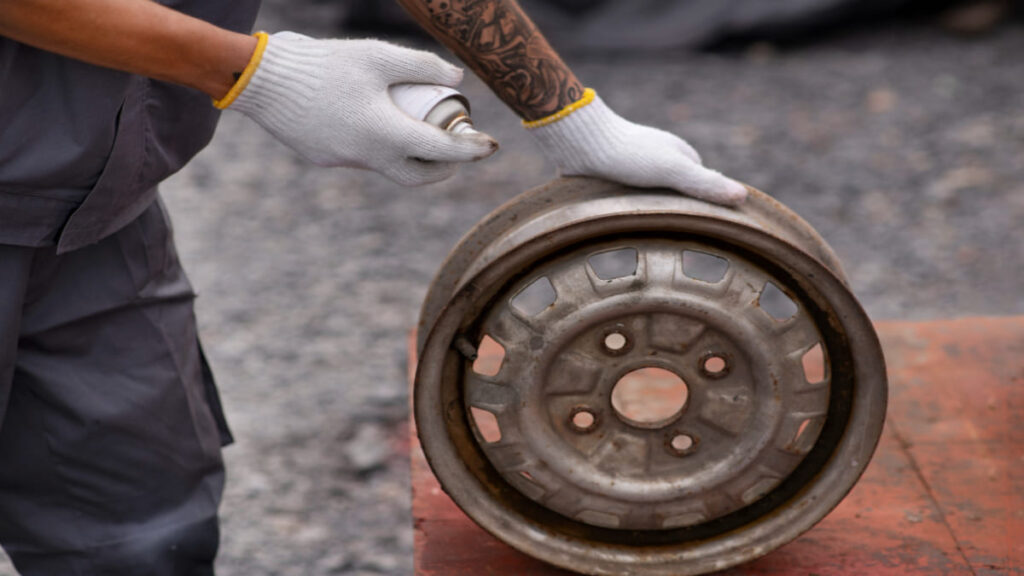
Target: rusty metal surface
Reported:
point(943, 495)
point(505, 226)
point(740, 432)
point(703, 508)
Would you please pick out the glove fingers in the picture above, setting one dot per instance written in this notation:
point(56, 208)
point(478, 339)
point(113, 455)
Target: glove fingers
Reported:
point(689, 151)
point(401, 65)
point(429, 142)
point(709, 185)
point(413, 172)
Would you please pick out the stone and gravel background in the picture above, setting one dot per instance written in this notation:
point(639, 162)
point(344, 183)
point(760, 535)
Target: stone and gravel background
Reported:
point(903, 144)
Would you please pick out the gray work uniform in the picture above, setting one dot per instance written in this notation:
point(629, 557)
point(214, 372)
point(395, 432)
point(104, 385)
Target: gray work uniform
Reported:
point(110, 425)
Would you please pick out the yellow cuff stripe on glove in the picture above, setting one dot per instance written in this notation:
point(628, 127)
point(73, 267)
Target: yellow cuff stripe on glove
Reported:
point(250, 69)
point(588, 97)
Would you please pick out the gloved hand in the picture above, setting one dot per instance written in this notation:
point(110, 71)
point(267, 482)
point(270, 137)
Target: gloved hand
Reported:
point(328, 100)
point(588, 139)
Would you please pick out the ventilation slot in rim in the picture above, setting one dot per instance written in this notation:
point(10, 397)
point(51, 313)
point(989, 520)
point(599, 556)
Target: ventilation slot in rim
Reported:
point(704, 267)
point(487, 424)
point(614, 263)
point(775, 302)
point(535, 298)
point(489, 357)
point(813, 362)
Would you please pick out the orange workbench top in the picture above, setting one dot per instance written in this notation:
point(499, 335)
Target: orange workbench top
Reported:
point(944, 493)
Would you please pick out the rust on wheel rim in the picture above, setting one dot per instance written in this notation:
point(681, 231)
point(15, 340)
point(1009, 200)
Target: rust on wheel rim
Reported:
point(759, 451)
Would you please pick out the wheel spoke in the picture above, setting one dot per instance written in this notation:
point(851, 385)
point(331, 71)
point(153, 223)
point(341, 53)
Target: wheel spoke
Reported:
point(509, 328)
point(658, 266)
point(489, 395)
point(797, 333)
point(573, 285)
point(744, 285)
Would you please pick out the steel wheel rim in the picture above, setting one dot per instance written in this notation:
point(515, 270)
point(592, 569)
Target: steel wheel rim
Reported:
point(488, 497)
point(563, 192)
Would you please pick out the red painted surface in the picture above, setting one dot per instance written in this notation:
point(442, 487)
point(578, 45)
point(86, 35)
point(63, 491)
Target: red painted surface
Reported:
point(944, 494)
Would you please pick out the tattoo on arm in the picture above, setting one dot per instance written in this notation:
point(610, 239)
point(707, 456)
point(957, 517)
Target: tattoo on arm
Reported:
point(504, 47)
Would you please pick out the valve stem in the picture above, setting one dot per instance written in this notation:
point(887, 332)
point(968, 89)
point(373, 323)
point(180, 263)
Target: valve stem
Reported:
point(466, 348)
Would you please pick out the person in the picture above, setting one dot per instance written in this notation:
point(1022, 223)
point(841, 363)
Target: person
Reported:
point(110, 425)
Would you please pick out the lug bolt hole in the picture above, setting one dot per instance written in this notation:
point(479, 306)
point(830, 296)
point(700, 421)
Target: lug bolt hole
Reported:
point(615, 342)
point(682, 444)
point(582, 420)
point(714, 366)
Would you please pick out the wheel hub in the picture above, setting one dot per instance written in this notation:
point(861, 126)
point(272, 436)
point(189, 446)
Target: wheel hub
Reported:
point(749, 416)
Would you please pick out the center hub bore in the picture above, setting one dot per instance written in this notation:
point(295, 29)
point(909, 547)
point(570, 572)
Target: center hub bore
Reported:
point(649, 397)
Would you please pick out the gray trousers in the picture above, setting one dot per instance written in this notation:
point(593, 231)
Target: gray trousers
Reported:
point(110, 426)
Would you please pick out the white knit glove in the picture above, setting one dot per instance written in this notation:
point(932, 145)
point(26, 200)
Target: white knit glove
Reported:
point(588, 139)
point(328, 100)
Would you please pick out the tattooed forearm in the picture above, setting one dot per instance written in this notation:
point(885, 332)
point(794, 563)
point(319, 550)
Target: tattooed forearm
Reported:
point(503, 46)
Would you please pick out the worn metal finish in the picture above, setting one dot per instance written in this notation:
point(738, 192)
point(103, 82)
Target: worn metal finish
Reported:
point(766, 451)
point(744, 425)
point(942, 494)
point(564, 199)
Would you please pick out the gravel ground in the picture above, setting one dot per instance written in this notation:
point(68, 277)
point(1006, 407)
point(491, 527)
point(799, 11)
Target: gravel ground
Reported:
point(902, 145)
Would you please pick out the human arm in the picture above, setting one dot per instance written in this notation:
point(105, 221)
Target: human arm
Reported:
point(500, 43)
point(573, 125)
point(326, 99)
point(145, 38)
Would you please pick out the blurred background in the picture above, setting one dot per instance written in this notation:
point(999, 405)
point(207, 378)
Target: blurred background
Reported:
point(896, 127)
